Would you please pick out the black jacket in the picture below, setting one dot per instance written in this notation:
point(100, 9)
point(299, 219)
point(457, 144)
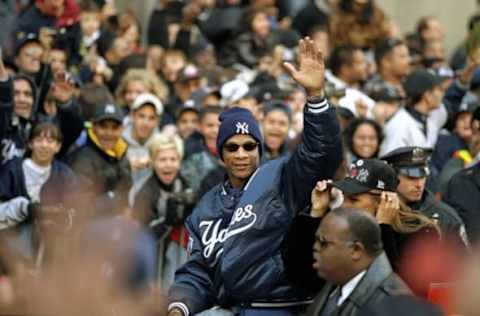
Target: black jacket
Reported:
point(104, 178)
point(379, 282)
point(448, 220)
point(14, 130)
point(463, 194)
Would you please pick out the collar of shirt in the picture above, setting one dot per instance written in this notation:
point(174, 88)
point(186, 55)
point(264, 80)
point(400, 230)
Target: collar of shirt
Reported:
point(348, 288)
point(422, 118)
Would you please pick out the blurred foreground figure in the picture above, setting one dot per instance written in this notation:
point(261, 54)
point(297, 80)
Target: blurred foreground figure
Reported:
point(110, 273)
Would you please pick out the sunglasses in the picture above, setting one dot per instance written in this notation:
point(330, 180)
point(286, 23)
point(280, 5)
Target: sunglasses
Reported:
point(232, 147)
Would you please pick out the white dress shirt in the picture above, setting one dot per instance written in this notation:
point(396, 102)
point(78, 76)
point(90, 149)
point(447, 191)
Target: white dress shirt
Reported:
point(348, 288)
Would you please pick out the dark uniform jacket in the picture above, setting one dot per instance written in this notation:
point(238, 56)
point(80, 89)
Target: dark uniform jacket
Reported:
point(379, 282)
point(237, 235)
point(448, 220)
point(463, 194)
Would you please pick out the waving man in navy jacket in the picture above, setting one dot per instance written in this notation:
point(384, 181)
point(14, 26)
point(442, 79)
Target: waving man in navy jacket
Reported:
point(238, 229)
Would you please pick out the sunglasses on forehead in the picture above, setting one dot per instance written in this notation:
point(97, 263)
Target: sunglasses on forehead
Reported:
point(232, 147)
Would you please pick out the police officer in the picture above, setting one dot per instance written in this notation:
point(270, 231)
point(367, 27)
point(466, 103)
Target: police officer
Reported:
point(411, 164)
point(463, 190)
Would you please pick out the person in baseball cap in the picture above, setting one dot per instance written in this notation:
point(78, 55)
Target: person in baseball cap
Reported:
point(420, 81)
point(108, 111)
point(368, 176)
point(238, 121)
point(371, 184)
point(145, 99)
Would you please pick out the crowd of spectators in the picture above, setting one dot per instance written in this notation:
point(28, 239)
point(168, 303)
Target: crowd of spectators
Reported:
point(108, 141)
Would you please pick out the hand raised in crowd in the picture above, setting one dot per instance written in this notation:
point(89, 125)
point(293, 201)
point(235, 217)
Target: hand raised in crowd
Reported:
point(63, 87)
point(190, 12)
point(466, 74)
point(320, 199)
point(388, 208)
point(3, 71)
point(311, 68)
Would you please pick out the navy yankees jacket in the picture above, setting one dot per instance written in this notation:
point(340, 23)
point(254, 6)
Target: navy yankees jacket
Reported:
point(237, 236)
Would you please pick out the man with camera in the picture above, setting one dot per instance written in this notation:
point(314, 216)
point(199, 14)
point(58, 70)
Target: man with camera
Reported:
point(238, 228)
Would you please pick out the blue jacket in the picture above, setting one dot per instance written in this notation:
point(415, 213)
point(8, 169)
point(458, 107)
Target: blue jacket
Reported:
point(237, 237)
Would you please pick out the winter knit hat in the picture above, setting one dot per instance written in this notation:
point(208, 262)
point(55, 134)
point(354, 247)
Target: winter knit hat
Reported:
point(237, 121)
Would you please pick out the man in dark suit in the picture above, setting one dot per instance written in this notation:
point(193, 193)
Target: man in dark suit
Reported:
point(349, 255)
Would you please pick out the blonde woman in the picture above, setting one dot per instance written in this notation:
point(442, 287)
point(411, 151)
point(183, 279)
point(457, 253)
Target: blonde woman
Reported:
point(138, 81)
point(162, 202)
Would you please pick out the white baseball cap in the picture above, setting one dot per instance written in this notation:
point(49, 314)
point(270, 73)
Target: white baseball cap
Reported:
point(148, 98)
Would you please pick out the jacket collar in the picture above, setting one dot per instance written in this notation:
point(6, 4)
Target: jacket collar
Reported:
point(128, 137)
point(379, 270)
point(117, 152)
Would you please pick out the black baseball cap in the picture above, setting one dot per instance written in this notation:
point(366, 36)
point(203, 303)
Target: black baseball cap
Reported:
point(420, 81)
point(384, 92)
point(24, 39)
point(108, 111)
point(368, 175)
point(411, 161)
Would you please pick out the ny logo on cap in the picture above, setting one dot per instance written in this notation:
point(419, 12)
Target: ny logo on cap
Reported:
point(362, 175)
point(380, 185)
point(242, 128)
point(110, 109)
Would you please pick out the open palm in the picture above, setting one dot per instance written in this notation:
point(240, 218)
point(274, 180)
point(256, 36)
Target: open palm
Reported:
point(311, 68)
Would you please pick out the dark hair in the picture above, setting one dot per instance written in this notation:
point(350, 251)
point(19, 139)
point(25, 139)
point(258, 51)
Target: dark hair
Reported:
point(92, 94)
point(88, 6)
point(422, 24)
point(250, 15)
point(46, 128)
point(365, 16)
point(473, 21)
point(352, 127)
point(413, 100)
point(277, 105)
point(209, 109)
point(340, 56)
point(363, 228)
point(318, 28)
point(385, 47)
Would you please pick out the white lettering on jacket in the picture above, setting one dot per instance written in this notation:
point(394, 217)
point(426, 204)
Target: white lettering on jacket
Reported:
point(212, 235)
point(9, 150)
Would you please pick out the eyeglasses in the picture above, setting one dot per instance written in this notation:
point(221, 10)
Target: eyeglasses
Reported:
point(232, 147)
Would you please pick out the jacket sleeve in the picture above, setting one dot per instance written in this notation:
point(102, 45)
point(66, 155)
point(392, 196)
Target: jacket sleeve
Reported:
point(13, 206)
point(192, 291)
point(459, 195)
point(6, 105)
point(317, 157)
point(71, 123)
point(13, 212)
point(453, 96)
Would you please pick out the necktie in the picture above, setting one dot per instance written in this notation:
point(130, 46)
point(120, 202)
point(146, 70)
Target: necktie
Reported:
point(331, 303)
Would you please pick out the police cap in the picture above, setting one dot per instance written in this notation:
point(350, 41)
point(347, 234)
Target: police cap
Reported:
point(411, 161)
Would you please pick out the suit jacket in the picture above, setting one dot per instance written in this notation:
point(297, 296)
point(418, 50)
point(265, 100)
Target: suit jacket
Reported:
point(379, 282)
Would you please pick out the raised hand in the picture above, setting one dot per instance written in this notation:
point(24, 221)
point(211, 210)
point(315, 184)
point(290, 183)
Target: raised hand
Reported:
point(63, 87)
point(3, 71)
point(388, 208)
point(311, 68)
point(320, 199)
